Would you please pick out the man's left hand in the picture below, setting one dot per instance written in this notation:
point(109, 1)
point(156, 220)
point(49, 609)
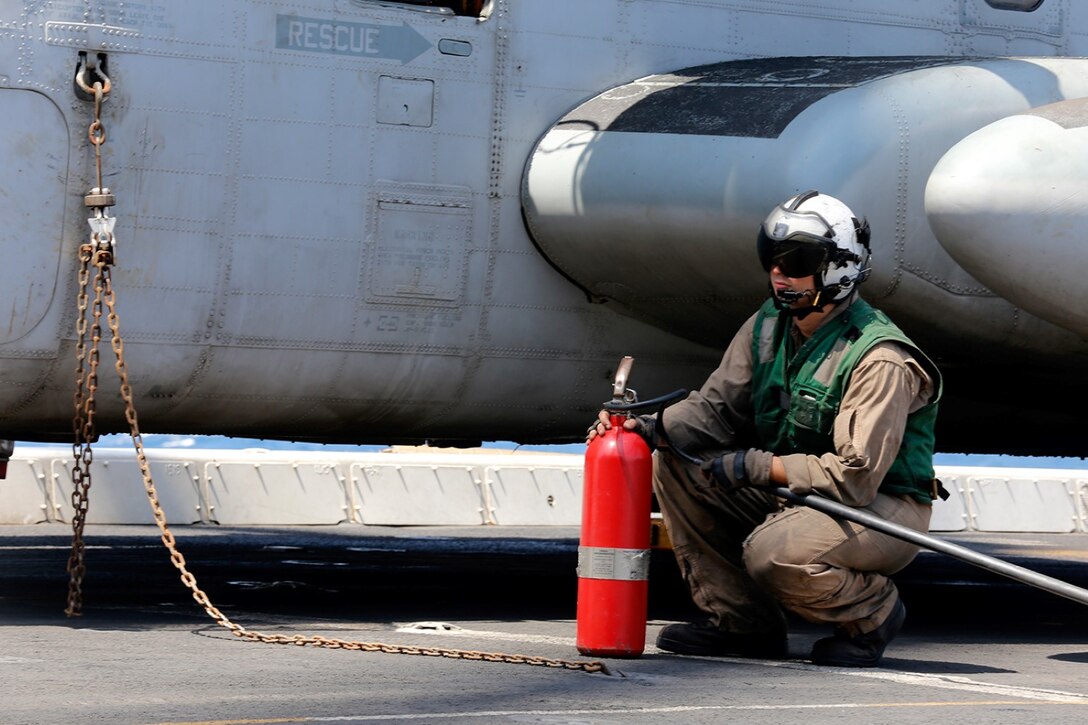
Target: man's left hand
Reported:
point(740, 468)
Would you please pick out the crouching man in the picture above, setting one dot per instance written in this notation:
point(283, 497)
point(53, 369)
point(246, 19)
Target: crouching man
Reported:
point(822, 393)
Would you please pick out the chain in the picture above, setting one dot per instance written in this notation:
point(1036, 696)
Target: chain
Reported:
point(187, 578)
point(100, 253)
point(96, 132)
point(83, 428)
point(100, 249)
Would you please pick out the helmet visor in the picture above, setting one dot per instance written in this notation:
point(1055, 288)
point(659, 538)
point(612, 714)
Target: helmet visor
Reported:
point(795, 258)
point(797, 242)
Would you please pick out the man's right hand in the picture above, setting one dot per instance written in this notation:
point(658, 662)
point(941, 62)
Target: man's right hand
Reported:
point(644, 426)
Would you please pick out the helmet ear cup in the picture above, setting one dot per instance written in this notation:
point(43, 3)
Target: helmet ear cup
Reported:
point(862, 232)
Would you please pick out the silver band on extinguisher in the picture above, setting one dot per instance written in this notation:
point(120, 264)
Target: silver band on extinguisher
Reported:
point(598, 562)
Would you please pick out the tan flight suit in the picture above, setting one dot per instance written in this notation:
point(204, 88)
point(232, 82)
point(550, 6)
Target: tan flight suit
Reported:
point(740, 552)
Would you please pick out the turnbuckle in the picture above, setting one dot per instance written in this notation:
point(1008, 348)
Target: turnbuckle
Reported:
point(101, 223)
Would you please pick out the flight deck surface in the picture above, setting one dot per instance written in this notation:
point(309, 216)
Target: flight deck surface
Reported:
point(976, 647)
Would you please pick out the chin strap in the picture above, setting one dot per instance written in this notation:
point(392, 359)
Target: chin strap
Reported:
point(784, 300)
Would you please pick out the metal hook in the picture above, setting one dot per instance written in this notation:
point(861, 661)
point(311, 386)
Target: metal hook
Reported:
point(89, 68)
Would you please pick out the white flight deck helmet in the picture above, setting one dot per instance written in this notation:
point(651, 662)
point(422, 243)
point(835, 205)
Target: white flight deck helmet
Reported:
point(813, 233)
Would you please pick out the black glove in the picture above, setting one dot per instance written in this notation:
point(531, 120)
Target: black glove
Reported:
point(740, 468)
point(644, 426)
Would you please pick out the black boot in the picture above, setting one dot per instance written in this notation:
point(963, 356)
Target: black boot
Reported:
point(704, 638)
point(863, 650)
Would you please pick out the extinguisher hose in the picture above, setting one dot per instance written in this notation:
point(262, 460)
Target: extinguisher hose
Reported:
point(660, 434)
point(663, 401)
point(864, 518)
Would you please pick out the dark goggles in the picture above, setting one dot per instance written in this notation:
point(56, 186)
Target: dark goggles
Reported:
point(797, 242)
point(793, 257)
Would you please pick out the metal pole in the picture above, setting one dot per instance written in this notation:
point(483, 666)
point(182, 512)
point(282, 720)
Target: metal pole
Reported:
point(1004, 568)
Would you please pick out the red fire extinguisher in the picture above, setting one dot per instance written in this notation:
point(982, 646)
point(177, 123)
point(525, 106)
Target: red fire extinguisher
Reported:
point(614, 549)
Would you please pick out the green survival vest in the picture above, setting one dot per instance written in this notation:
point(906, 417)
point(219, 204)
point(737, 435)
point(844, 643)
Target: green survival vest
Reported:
point(796, 393)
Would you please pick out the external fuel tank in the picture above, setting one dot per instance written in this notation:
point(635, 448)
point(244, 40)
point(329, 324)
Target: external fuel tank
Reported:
point(1009, 204)
point(650, 194)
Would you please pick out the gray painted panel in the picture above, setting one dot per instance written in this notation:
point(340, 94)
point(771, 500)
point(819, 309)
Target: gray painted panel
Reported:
point(420, 248)
point(34, 155)
point(405, 101)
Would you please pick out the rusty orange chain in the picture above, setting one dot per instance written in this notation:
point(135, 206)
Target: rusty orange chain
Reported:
point(83, 427)
point(100, 254)
point(103, 281)
point(99, 199)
